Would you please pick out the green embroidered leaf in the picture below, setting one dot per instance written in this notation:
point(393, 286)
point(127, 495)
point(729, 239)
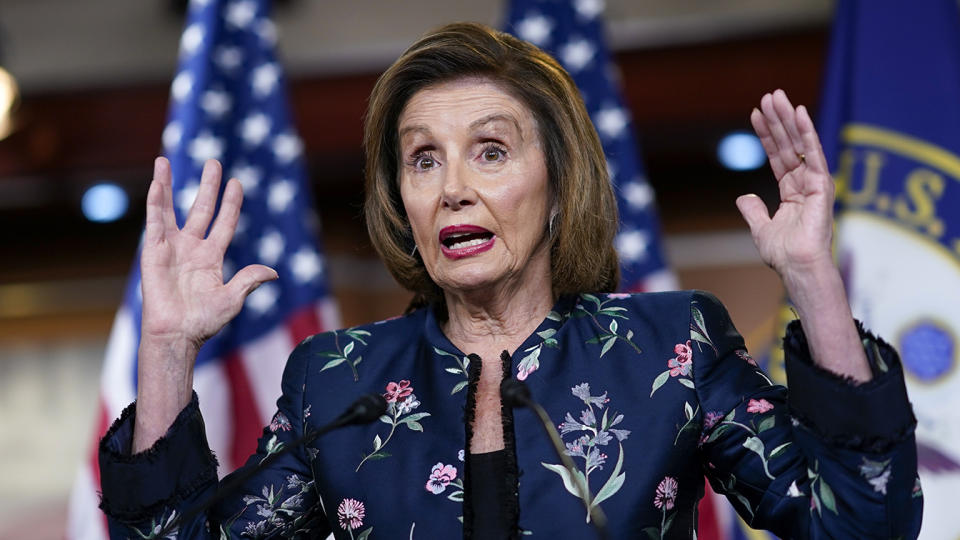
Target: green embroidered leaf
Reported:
point(329, 354)
point(666, 524)
point(754, 444)
point(554, 316)
point(607, 346)
point(698, 318)
point(414, 417)
point(377, 443)
point(816, 501)
point(386, 419)
point(365, 534)
point(456, 496)
point(610, 313)
point(686, 382)
point(613, 326)
point(766, 423)
point(826, 496)
point(568, 483)
point(414, 426)
point(730, 417)
point(548, 333)
point(717, 431)
point(614, 308)
point(348, 349)
point(551, 342)
point(687, 410)
point(445, 353)
point(591, 298)
point(629, 335)
point(653, 533)
point(746, 504)
point(613, 484)
point(333, 363)
point(454, 370)
point(603, 422)
point(778, 451)
point(357, 361)
point(659, 381)
point(697, 336)
point(459, 386)
point(593, 340)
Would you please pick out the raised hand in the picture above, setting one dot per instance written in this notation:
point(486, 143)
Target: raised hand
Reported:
point(798, 236)
point(796, 241)
point(185, 301)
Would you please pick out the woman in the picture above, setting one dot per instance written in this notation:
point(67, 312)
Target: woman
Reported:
point(487, 196)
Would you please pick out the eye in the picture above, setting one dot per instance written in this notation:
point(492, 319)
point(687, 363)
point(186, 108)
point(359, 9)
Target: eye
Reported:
point(493, 153)
point(423, 161)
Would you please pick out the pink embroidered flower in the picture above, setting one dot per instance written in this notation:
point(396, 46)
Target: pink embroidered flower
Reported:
point(666, 493)
point(440, 476)
point(745, 356)
point(525, 370)
point(711, 419)
point(758, 406)
point(351, 512)
point(280, 422)
point(683, 362)
point(618, 296)
point(398, 391)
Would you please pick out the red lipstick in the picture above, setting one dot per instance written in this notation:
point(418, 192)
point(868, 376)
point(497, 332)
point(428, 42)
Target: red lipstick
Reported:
point(460, 241)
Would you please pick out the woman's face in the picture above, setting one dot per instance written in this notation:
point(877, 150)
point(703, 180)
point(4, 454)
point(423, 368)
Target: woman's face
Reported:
point(473, 179)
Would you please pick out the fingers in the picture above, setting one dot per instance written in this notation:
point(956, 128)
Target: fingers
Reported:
point(754, 212)
point(813, 151)
point(160, 216)
point(226, 222)
point(772, 105)
point(769, 145)
point(247, 279)
point(206, 202)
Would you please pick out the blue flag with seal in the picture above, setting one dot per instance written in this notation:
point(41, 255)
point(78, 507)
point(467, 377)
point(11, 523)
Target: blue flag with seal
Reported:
point(890, 126)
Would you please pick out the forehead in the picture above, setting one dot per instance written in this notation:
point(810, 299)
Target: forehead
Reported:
point(465, 103)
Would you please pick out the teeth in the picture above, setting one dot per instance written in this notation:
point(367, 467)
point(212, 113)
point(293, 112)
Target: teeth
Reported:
point(468, 243)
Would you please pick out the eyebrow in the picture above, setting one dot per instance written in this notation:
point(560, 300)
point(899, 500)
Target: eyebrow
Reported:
point(497, 117)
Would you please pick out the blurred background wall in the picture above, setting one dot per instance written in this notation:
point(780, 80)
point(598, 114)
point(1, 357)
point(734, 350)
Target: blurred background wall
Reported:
point(94, 81)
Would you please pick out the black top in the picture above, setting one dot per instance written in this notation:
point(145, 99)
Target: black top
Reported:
point(487, 492)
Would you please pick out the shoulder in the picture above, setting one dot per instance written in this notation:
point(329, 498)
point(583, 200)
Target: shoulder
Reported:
point(380, 333)
point(656, 302)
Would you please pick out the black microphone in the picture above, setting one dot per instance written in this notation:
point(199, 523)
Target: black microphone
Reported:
point(516, 394)
point(364, 410)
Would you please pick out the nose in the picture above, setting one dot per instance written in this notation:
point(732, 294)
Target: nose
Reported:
point(457, 190)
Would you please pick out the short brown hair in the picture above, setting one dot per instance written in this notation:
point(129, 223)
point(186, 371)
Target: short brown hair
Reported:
point(582, 256)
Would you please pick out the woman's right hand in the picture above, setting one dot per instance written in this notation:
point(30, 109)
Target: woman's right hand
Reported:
point(185, 301)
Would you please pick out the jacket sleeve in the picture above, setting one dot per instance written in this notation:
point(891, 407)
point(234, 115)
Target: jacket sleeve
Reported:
point(143, 493)
point(831, 459)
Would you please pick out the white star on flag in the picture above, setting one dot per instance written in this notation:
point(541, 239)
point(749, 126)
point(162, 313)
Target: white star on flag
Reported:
point(577, 54)
point(255, 128)
point(264, 79)
point(270, 247)
point(171, 136)
point(535, 29)
point(638, 194)
point(248, 175)
point(306, 265)
point(281, 193)
point(632, 245)
point(240, 13)
point(181, 86)
point(205, 146)
point(588, 9)
point(216, 103)
point(267, 31)
point(228, 58)
point(263, 298)
point(611, 121)
point(191, 39)
point(287, 147)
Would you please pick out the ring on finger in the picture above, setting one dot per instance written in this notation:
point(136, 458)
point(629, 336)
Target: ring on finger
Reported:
point(802, 158)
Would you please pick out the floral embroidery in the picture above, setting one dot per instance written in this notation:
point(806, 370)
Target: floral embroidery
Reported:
point(610, 334)
point(758, 406)
point(820, 493)
point(690, 424)
point(531, 360)
point(350, 514)
point(281, 507)
point(665, 499)
point(155, 528)
point(680, 367)
point(342, 355)
point(401, 402)
point(587, 446)
point(753, 442)
point(440, 477)
point(745, 356)
point(666, 493)
point(463, 364)
point(877, 474)
point(711, 419)
point(280, 422)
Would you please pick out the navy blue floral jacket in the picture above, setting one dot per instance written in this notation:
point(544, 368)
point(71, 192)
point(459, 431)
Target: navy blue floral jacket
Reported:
point(650, 393)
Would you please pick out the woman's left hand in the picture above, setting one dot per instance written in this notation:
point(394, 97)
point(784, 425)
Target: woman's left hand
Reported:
point(797, 239)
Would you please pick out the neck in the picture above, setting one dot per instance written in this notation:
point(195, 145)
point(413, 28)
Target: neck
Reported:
point(495, 319)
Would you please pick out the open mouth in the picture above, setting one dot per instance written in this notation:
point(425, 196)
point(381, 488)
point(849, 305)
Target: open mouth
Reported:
point(465, 240)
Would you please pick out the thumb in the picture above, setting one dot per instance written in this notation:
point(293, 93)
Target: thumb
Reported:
point(754, 212)
point(248, 279)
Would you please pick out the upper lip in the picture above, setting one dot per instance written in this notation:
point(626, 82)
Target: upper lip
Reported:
point(451, 230)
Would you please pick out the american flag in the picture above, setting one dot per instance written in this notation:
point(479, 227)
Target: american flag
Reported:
point(572, 32)
point(228, 102)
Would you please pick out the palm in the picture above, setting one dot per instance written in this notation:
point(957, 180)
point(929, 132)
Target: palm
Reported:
point(184, 296)
point(798, 235)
